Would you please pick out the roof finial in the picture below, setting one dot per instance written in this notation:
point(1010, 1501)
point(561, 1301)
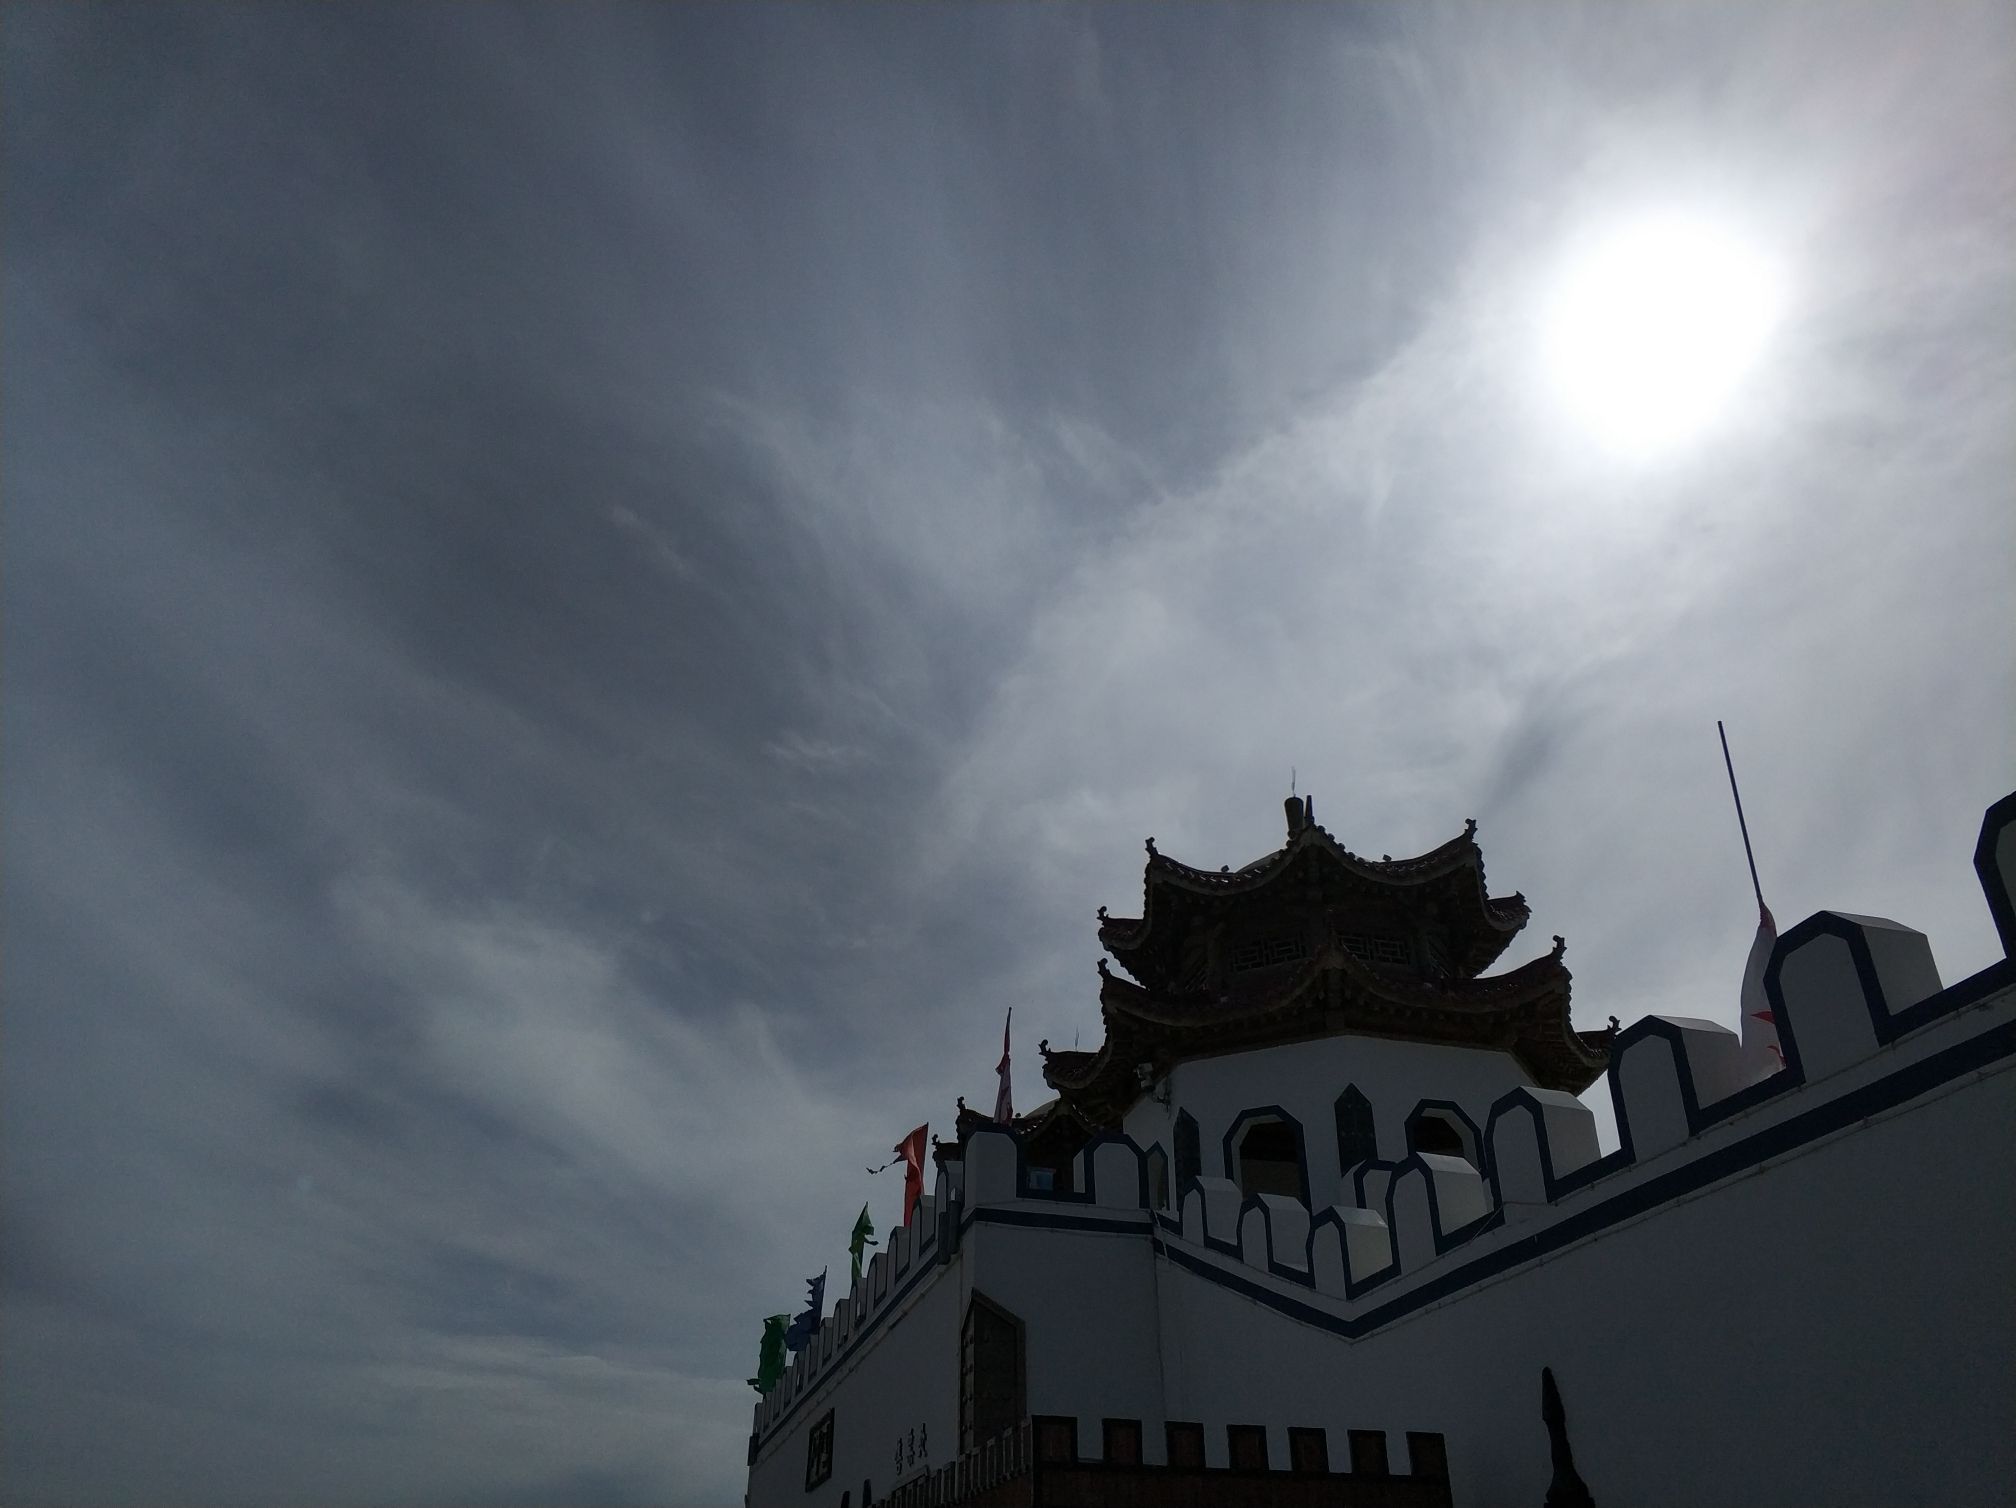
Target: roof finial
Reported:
point(1291, 780)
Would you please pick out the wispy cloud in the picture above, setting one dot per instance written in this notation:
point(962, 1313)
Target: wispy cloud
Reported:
point(565, 666)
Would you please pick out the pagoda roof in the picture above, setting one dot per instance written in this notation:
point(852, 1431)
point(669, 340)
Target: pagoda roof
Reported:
point(1523, 1012)
point(1448, 879)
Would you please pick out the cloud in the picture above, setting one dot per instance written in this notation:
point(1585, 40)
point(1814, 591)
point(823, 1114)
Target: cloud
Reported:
point(566, 666)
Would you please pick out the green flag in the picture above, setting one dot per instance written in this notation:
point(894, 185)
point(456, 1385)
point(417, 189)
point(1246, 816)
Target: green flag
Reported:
point(770, 1359)
point(864, 1230)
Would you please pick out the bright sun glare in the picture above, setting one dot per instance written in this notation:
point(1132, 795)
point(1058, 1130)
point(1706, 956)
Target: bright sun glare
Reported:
point(1655, 324)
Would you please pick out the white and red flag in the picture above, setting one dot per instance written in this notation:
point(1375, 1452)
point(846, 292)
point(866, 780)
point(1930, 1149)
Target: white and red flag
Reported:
point(1761, 1053)
point(1004, 1096)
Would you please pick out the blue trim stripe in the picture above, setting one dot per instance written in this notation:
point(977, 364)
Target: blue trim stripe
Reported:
point(1894, 1089)
point(1858, 1105)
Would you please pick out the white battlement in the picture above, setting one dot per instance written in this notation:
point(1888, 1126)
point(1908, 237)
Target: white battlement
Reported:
point(1843, 989)
point(1877, 1057)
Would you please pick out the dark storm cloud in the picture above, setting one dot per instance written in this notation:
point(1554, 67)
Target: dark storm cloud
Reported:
point(592, 594)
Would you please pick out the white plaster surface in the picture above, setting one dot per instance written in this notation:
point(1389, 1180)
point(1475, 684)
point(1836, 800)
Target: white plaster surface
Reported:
point(1827, 1322)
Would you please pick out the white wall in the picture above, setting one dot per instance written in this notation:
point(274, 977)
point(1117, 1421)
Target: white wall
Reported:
point(1305, 1079)
point(1791, 1292)
point(1836, 1329)
point(904, 1376)
point(1087, 1301)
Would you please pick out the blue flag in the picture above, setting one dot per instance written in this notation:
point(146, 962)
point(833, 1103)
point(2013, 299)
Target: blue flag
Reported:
point(806, 1325)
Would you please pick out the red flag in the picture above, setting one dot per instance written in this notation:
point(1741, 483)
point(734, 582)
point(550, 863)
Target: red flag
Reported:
point(911, 1151)
point(1004, 1097)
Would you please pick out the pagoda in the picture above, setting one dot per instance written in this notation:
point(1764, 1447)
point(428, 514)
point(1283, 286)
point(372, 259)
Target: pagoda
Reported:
point(1315, 941)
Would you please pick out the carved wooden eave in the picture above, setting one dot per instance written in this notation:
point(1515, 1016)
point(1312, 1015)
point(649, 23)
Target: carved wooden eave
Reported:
point(1524, 1012)
point(1447, 882)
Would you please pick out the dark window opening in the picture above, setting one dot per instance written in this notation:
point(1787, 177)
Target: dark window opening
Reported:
point(1042, 1180)
point(1189, 1160)
point(1270, 1161)
point(1368, 1452)
point(1433, 1133)
point(1056, 1438)
point(819, 1452)
point(1247, 1446)
point(1427, 1456)
point(1357, 1141)
point(1158, 1179)
point(990, 1372)
point(1121, 1441)
point(1186, 1446)
point(1308, 1451)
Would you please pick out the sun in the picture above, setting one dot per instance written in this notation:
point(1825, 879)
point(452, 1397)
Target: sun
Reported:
point(1655, 323)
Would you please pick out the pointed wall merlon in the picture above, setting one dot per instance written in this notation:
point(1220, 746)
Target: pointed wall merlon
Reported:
point(1350, 1247)
point(1118, 1178)
point(1368, 1187)
point(1461, 1199)
point(990, 1167)
point(1536, 1138)
point(1274, 1233)
point(1221, 1201)
point(1995, 865)
point(1434, 1202)
point(1839, 980)
point(1652, 1079)
point(1413, 1222)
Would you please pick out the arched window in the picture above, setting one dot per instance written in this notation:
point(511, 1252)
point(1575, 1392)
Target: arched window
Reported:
point(1268, 1156)
point(1439, 1132)
point(1356, 1140)
point(1189, 1160)
point(1158, 1178)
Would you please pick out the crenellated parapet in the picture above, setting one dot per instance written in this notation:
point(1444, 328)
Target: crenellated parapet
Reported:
point(1858, 1005)
point(1507, 1212)
point(911, 1255)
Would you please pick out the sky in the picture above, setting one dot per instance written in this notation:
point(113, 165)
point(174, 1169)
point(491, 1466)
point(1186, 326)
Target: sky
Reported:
point(593, 593)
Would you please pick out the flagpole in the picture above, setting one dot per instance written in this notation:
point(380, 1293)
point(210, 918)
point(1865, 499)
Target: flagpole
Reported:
point(1742, 826)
